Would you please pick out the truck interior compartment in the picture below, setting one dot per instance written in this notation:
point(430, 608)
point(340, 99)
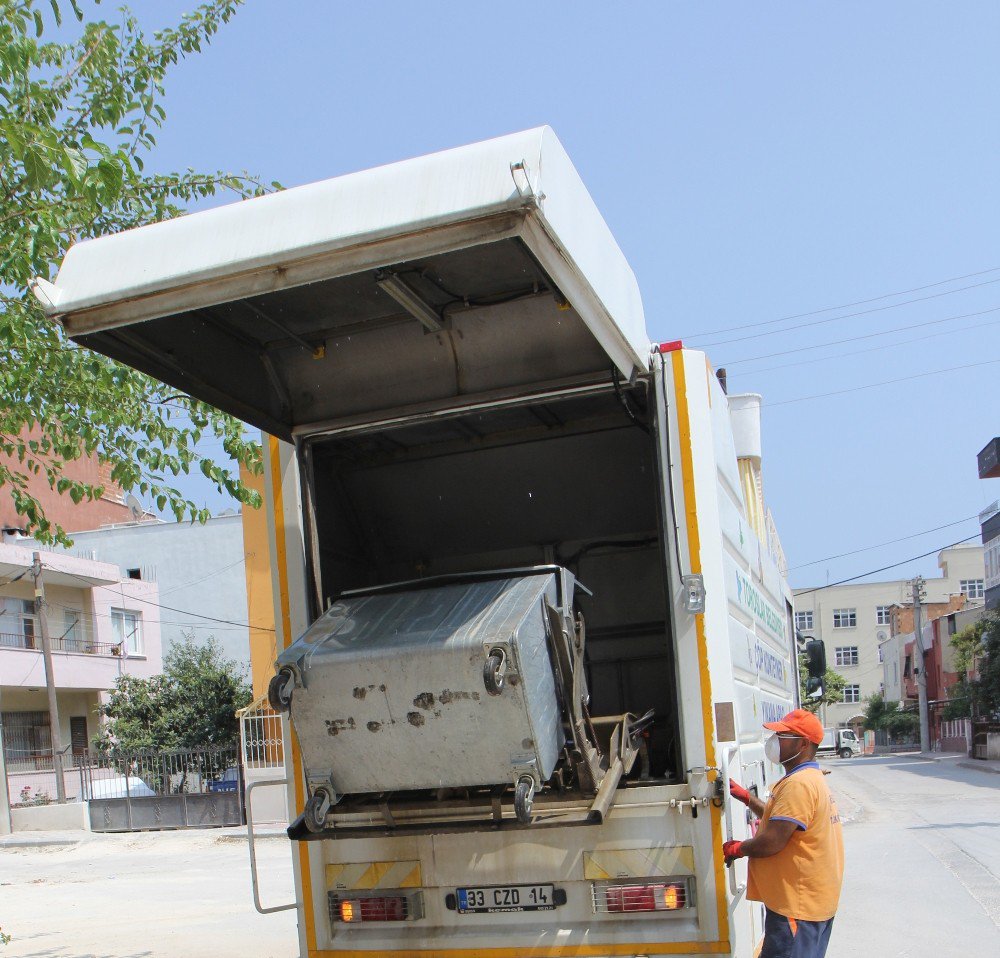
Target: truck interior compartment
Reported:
point(570, 481)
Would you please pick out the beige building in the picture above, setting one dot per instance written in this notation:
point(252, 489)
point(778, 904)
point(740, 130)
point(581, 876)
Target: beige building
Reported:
point(855, 623)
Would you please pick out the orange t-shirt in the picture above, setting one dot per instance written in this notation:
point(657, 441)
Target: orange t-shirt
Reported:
point(803, 880)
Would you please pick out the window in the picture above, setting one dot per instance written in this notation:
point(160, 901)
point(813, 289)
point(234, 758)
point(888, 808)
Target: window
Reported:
point(852, 693)
point(881, 689)
point(972, 588)
point(845, 618)
point(134, 573)
point(847, 655)
point(17, 623)
point(27, 742)
point(804, 620)
point(881, 655)
point(127, 629)
point(883, 614)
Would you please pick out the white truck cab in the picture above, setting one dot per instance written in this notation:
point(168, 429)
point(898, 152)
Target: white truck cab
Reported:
point(841, 742)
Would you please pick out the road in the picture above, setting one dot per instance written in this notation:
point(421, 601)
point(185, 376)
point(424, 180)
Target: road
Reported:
point(149, 895)
point(923, 879)
point(923, 859)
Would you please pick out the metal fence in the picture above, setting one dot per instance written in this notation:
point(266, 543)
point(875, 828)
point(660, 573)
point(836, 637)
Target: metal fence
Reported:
point(261, 736)
point(133, 791)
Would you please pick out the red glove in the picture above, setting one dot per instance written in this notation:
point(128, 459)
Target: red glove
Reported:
point(731, 851)
point(739, 792)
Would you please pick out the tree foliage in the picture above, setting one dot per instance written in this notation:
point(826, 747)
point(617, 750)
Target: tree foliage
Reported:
point(977, 648)
point(78, 123)
point(192, 704)
point(833, 688)
point(889, 717)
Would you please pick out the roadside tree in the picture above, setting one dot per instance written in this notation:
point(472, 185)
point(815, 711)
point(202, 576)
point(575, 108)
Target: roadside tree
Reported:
point(192, 705)
point(881, 715)
point(78, 122)
point(833, 688)
point(977, 649)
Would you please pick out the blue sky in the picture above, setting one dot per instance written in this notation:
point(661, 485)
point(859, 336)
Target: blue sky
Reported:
point(754, 161)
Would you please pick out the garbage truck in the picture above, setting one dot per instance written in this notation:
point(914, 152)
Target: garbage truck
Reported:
point(531, 608)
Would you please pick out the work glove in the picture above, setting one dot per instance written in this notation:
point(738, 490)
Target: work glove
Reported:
point(731, 851)
point(739, 792)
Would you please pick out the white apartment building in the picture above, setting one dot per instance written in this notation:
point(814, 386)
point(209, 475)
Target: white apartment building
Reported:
point(854, 622)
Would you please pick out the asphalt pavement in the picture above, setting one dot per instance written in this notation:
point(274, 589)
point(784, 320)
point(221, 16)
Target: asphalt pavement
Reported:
point(922, 842)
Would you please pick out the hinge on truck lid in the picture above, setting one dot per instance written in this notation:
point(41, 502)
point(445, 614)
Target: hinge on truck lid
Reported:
point(694, 597)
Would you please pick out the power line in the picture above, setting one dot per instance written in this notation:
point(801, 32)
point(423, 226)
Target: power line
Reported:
point(854, 339)
point(869, 349)
point(170, 608)
point(880, 544)
point(884, 382)
point(863, 575)
point(833, 319)
point(860, 302)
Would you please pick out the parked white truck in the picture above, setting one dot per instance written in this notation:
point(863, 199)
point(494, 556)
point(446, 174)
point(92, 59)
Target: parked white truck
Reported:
point(839, 741)
point(450, 361)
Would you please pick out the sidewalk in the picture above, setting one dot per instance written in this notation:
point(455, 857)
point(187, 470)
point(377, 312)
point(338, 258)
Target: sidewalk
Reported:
point(961, 759)
point(67, 839)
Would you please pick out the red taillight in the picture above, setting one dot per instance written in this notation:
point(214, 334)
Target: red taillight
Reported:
point(658, 896)
point(377, 908)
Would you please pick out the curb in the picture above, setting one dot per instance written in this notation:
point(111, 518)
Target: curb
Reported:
point(980, 767)
point(13, 841)
point(258, 836)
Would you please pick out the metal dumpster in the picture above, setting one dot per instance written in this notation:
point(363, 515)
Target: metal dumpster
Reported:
point(455, 682)
point(443, 684)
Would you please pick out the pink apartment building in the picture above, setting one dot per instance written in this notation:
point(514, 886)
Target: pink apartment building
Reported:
point(101, 625)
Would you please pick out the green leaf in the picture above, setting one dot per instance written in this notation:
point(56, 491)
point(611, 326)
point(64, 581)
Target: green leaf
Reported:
point(111, 178)
point(36, 167)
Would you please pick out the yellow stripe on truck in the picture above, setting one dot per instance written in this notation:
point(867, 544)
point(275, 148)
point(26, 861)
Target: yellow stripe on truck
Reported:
point(543, 951)
point(638, 862)
point(694, 549)
point(281, 558)
point(351, 876)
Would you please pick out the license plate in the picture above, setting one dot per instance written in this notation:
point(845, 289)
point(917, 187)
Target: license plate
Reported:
point(506, 898)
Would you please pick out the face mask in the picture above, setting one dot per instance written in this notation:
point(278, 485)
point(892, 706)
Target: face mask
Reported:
point(772, 749)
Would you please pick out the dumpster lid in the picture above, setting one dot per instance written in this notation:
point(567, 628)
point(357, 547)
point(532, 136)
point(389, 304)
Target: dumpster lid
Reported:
point(473, 272)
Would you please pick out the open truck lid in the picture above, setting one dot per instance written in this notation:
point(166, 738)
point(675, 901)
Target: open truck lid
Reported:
point(478, 272)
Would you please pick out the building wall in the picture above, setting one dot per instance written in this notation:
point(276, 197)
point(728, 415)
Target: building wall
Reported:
point(61, 509)
point(868, 634)
point(198, 569)
point(84, 665)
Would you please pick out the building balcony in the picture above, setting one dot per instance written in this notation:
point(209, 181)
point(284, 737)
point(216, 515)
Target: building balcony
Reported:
point(72, 644)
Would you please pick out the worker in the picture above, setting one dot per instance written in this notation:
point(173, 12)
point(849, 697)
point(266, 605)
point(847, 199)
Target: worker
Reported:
point(796, 858)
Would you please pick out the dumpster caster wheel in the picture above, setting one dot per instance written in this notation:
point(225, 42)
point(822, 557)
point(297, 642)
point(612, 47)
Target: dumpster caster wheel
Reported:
point(279, 691)
point(315, 811)
point(494, 671)
point(524, 796)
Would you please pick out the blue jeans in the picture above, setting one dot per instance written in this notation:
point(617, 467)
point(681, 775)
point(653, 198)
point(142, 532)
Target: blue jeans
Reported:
point(785, 938)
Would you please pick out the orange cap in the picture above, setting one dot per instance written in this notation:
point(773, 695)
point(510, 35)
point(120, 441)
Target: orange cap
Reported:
point(799, 722)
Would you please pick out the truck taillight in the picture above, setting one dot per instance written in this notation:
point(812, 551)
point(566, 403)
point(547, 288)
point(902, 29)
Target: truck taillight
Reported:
point(357, 909)
point(626, 897)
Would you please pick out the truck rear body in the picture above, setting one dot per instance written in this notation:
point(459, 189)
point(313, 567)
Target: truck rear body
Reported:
point(450, 359)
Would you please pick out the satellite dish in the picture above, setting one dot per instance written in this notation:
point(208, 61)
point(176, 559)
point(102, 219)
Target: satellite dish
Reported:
point(135, 507)
point(881, 635)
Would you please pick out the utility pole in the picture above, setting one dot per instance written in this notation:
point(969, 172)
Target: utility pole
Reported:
point(4, 793)
point(50, 684)
point(918, 664)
